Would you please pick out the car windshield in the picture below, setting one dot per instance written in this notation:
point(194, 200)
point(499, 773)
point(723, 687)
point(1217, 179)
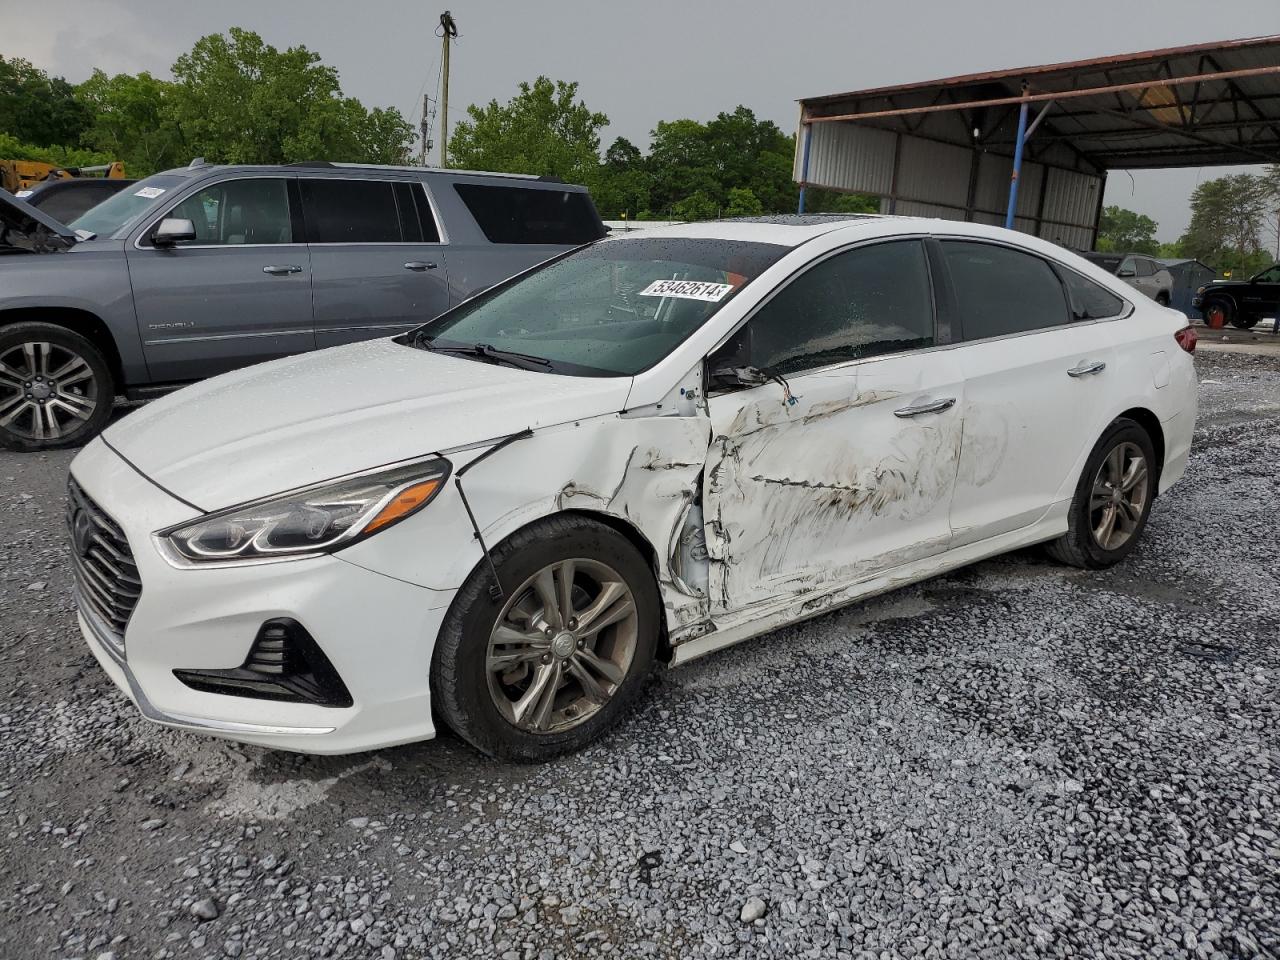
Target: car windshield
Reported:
point(122, 210)
point(612, 309)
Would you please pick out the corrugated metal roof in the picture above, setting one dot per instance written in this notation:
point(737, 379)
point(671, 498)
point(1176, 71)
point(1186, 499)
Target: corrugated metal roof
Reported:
point(1151, 122)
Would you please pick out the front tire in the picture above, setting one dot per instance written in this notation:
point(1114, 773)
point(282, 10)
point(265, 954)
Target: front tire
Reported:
point(562, 656)
point(1112, 501)
point(56, 388)
point(1218, 313)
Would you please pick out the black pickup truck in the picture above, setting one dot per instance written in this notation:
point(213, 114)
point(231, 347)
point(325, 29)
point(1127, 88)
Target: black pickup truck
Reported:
point(1241, 303)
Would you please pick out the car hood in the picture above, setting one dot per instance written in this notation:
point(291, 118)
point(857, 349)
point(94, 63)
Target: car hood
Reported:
point(316, 416)
point(23, 227)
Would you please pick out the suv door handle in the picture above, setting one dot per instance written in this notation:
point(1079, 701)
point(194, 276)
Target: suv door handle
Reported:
point(928, 406)
point(420, 265)
point(1086, 368)
point(277, 269)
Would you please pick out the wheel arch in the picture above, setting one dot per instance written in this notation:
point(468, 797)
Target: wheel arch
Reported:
point(1151, 424)
point(89, 325)
point(619, 524)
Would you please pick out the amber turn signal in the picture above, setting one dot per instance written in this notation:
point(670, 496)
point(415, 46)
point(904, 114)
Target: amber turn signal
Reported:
point(409, 500)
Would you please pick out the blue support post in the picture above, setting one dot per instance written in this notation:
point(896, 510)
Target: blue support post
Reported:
point(806, 131)
point(1017, 163)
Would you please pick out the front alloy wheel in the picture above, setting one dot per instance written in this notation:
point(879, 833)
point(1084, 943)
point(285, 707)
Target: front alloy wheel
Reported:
point(1120, 492)
point(55, 387)
point(556, 652)
point(562, 646)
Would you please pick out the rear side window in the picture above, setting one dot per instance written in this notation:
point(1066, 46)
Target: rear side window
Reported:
point(862, 303)
point(1088, 300)
point(528, 215)
point(1000, 291)
point(350, 211)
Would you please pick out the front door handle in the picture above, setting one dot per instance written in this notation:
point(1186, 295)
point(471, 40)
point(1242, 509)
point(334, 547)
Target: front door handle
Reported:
point(928, 406)
point(279, 269)
point(1086, 368)
point(420, 265)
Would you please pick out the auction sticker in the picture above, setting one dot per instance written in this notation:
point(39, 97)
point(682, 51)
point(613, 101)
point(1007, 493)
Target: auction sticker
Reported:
point(688, 290)
point(149, 192)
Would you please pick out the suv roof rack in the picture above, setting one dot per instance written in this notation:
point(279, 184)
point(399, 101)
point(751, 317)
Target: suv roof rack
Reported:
point(310, 163)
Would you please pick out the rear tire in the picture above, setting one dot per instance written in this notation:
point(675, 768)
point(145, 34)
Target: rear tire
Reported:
point(1245, 322)
point(520, 678)
point(1162, 298)
point(1118, 481)
point(56, 388)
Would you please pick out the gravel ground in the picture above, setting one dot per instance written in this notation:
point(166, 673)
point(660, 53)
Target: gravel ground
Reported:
point(1014, 760)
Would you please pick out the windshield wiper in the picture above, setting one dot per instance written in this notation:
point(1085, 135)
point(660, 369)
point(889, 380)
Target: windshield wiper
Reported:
point(484, 351)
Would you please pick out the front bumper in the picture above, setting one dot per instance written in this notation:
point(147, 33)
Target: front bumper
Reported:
point(377, 631)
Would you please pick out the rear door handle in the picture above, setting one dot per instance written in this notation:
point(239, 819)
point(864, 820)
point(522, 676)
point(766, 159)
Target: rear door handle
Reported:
point(1086, 368)
point(279, 269)
point(420, 265)
point(928, 406)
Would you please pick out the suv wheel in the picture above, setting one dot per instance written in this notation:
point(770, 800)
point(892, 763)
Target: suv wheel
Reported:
point(1245, 322)
point(56, 389)
point(562, 656)
point(1162, 298)
point(1218, 313)
point(1112, 500)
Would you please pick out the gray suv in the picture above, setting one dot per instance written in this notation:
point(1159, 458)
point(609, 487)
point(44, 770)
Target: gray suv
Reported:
point(197, 271)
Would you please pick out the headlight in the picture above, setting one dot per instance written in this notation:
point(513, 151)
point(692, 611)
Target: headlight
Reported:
point(317, 519)
point(1199, 290)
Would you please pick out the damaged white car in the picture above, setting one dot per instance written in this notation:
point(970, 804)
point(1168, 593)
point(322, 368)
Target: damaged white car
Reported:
point(647, 449)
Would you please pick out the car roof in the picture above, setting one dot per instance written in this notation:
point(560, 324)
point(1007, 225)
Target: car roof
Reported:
point(794, 230)
point(200, 169)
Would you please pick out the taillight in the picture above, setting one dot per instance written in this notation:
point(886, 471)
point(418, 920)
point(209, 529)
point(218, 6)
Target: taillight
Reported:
point(1186, 338)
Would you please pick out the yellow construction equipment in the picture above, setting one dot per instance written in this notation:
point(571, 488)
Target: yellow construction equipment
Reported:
point(18, 175)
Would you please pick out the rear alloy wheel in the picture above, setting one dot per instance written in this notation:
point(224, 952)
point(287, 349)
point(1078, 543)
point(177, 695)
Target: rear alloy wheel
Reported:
point(1217, 314)
point(563, 653)
point(55, 387)
point(1112, 500)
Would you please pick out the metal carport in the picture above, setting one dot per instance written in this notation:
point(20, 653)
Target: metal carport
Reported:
point(1030, 148)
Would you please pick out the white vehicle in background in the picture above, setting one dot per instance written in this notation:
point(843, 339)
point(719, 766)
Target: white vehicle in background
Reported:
point(650, 448)
point(1145, 274)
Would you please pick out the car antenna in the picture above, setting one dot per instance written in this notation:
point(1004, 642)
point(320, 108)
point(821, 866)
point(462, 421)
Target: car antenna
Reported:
point(495, 591)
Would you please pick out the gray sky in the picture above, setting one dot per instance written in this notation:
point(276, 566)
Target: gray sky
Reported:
point(660, 59)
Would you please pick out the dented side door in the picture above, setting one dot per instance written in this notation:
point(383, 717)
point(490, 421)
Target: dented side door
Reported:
point(852, 479)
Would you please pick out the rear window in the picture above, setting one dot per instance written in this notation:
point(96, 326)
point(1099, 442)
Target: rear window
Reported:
point(528, 215)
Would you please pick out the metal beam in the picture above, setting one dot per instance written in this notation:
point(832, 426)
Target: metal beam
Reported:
point(1059, 95)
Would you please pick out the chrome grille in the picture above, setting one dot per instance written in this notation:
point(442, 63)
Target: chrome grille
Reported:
point(107, 581)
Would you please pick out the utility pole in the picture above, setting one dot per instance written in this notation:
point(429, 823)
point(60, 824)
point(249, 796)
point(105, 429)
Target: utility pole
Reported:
point(449, 33)
point(425, 127)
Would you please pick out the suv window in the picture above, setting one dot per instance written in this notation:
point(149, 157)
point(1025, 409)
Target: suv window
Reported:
point(1269, 276)
point(865, 302)
point(350, 211)
point(1000, 291)
point(1088, 300)
point(529, 215)
point(239, 212)
point(1145, 267)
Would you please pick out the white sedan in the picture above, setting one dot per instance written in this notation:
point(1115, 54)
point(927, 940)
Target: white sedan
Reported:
point(647, 449)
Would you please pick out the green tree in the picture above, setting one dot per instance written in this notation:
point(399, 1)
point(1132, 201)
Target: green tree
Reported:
point(132, 121)
point(13, 149)
point(817, 200)
point(237, 99)
point(1226, 222)
point(696, 206)
point(545, 129)
point(1124, 231)
point(743, 203)
point(38, 109)
point(622, 184)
